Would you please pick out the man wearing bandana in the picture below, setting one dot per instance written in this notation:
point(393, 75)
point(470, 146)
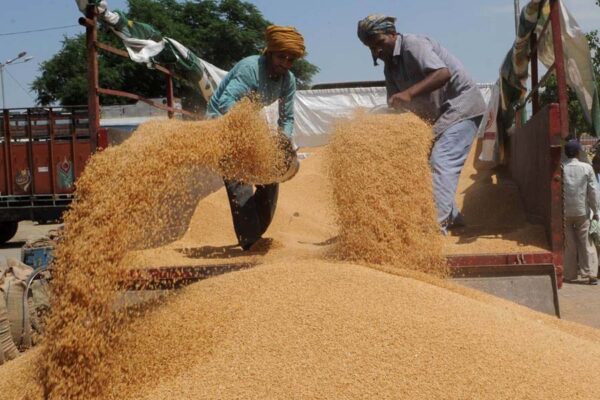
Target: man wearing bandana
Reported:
point(423, 77)
point(266, 78)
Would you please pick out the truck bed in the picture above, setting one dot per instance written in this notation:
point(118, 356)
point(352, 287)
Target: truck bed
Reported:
point(495, 220)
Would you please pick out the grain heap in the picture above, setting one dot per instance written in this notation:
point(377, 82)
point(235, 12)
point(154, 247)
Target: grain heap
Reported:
point(128, 197)
point(301, 327)
point(382, 192)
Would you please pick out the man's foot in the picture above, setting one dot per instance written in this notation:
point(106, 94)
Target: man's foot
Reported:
point(262, 245)
point(582, 280)
point(457, 222)
point(452, 223)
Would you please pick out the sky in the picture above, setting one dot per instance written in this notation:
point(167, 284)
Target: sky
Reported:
point(478, 32)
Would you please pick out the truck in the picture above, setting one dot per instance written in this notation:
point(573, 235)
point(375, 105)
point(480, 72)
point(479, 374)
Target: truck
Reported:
point(43, 152)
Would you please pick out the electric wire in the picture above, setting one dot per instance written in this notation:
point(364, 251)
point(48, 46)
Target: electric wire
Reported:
point(38, 30)
point(18, 83)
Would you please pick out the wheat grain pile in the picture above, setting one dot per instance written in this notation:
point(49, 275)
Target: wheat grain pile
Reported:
point(382, 192)
point(312, 329)
point(295, 325)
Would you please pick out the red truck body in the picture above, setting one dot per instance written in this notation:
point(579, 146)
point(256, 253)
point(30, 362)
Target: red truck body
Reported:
point(44, 151)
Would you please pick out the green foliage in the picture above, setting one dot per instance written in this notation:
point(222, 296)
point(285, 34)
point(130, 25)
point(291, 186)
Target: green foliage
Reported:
point(64, 76)
point(221, 32)
point(304, 71)
point(577, 122)
point(594, 42)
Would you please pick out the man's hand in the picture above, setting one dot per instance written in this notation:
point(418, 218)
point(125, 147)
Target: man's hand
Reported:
point(596, 217)
point(433, 81)
point(399, 99)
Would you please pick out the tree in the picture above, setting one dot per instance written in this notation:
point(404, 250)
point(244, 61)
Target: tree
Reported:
point(221, 32)
point(550, 93)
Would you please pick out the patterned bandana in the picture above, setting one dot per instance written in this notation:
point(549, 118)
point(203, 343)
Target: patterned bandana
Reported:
point(374, 24)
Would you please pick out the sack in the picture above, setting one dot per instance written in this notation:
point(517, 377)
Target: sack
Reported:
point(13, 287)
point(38, 302)
point(20, 307)
point(8, 350)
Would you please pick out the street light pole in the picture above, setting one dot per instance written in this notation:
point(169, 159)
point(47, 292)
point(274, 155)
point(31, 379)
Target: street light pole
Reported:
point(4, 64)
point(517, 16)
point(2, 82)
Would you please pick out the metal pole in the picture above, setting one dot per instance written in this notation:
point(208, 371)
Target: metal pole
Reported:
point(92, 64)
point(170, 94)
point(559, 62)
point(4, 64)
point(556, 185)
point(520, 111)
point(535, 98)
point(2, 82)
point(517, 16)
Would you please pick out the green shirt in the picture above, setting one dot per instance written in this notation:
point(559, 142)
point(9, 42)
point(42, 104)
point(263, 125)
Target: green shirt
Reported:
point(249, 76)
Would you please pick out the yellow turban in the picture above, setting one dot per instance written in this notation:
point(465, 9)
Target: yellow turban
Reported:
point(284, 38)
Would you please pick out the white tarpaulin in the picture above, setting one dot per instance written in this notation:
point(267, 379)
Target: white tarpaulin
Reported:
point(488, 129)
point(315, 110)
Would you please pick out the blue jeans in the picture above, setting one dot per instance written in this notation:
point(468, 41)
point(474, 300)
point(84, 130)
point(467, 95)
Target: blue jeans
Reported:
point(448, 156)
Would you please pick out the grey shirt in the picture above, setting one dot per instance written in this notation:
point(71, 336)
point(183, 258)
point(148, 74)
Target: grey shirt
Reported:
point(580, 188)
point(414, 58)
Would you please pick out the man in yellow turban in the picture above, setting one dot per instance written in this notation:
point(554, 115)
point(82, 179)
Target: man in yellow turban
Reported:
point(266, 78)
